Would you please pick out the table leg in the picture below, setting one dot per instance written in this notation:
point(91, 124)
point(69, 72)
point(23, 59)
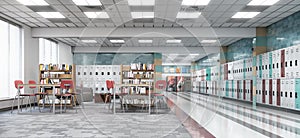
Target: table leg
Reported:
point(149, 102)
point(114, 103)
point(53, 100)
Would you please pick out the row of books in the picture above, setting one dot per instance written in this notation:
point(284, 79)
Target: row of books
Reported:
point(141, 66)
point(55, 67)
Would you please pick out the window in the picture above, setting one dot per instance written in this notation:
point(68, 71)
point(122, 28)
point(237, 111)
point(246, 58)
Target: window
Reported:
point(48, 51)
point(11, 58)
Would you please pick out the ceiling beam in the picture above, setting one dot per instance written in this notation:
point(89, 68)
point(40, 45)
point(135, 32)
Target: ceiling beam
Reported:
point(202, 51)
point(143, 32)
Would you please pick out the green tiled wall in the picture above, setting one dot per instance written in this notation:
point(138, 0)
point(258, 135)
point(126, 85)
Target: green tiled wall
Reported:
point(112, 59)
point(284, 33)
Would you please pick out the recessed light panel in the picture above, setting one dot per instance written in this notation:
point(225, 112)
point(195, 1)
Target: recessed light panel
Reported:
point(188, 14)
point(208, 41)
point(245, 14)
point(142, 14)
point(96, 14)
point(51, 14)
point(117, 41)
point(141, 2)
point(33, 2)
point(145, 41)
point(262, 2)
point(89, 41)
point(173, 41)
point(87, 2)
point(195, 2)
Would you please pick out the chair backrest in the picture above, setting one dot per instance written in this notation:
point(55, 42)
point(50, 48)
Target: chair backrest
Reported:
point(160, 84)
point(66, 84)
point(109, 84)
point(17, 83)
point(32, 82)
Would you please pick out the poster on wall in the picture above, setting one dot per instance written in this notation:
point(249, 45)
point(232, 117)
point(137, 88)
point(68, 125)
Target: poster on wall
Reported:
point(175, 83)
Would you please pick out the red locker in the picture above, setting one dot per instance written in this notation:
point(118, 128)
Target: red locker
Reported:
point(251, 90)
point(270, 92)
point(226, 72)
point(244, 89)
point(282, 71)
point(263, 91)
point(278, 92)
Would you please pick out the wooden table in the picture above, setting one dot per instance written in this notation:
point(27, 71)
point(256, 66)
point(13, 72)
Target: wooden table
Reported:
point(132, 85)
point(41, 85)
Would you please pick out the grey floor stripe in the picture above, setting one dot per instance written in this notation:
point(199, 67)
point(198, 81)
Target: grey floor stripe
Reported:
point(260, 119)
point(262, 131)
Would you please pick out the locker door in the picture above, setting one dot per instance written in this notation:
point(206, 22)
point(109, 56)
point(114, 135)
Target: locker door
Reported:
point(270, 92)
point(274, 93)
point(263, 91)
point(278, 92)
point(226, 72)
point(297, 92)
point(251, 90)
point(238, 89)
point(226, 88)
point(206, 87)
point(291, 95)
point(232, 89)
point(270, 64)
point(282, 61)
point(244, 89)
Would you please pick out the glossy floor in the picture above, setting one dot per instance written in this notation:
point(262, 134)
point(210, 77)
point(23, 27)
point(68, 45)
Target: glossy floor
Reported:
point(231, 119)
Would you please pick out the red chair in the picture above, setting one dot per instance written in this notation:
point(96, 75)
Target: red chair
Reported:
point(42, 95)
point(22, 95)
point(65, 87)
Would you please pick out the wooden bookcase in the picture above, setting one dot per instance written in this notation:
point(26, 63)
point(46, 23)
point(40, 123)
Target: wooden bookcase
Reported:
point(53, 74)
point(138, 76)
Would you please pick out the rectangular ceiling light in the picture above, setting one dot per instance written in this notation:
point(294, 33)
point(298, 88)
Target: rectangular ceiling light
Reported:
point(195, 2)
point(142, 14)
point(141, 2)
point(174, 41)
point(96, 14)
point(208, 41)
point(117, 41)
point(245, 14)
point(188, 14)
point(33, 2)
point(262, 2)
point(145, 41)
point(89, 41)
point(87, 2)
point(51, 14)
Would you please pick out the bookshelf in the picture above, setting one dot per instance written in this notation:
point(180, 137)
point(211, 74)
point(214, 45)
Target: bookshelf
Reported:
point(139, 75)
point(53, 74)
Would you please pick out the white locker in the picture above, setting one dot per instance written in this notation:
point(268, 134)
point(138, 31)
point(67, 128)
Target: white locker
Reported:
point(288, 62)
point(230, 71)
point(291, 94)
point(263, 67)
point(267, 91)
point(284, 92)
point(249, 92)
point(277, 62)
point(274, 92)
point(296, 61)
point(259, 91)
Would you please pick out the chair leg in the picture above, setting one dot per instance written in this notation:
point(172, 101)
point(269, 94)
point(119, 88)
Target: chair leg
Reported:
point(74, 102)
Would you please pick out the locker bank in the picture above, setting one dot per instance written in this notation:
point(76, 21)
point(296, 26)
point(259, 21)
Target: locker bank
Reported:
point(150, 68)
